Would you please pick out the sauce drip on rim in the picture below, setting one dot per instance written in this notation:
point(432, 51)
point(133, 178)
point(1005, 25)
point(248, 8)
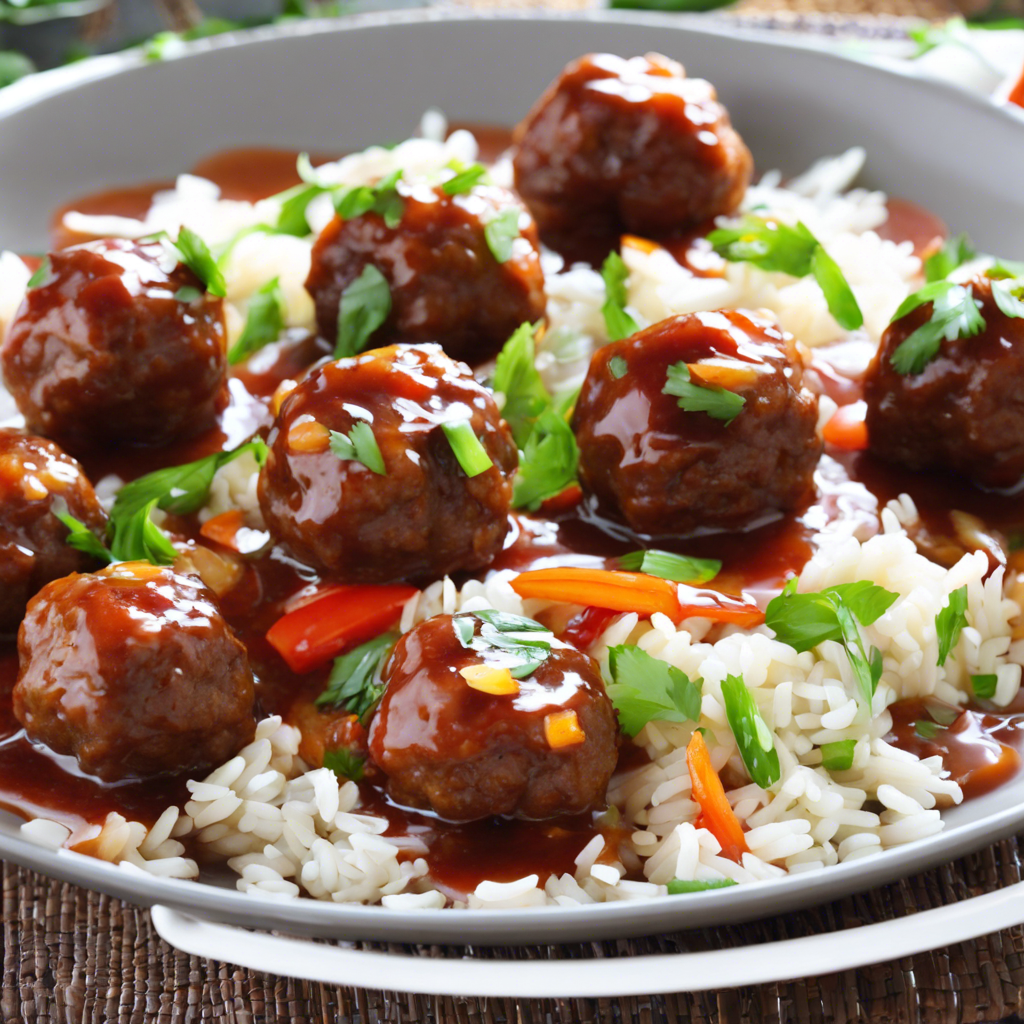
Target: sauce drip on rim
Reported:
point(980, 746)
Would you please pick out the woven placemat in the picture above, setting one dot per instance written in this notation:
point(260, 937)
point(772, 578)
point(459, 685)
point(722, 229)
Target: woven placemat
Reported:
point(76, 956)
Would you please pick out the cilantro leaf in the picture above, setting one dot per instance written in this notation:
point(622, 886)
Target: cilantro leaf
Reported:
point(679, 886)
point(778, 247)
point(41, 274)
point(80, 536)
point(264, 322)
point(955, 314)
point(467, 447)
point(717, 402)
point(465, 180)
point(354, 683)
point(670, 566)
point(500, 232)
point(753, 737)
point(984, 686)
point(294, 203)
point(517, 378)
point(838, 756)
point(645, 689)
point(954, 252)
point(1005, 268)
point(359, 445)
point(345, 763)
point(196, 255)
point(382, 199)
point(617, 367)
point(365, 305)
point(949, 623)
point(498, 637)
point(618, 323)
point(548, 462)
point(1009, 296)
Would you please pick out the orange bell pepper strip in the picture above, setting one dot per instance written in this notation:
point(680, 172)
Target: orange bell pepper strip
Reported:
point(339, 618)
point(847, 429)
point(633, 592)
point(716, 814)
point(223, 529)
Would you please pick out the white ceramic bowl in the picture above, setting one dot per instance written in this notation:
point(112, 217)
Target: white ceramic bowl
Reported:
point(337, 86)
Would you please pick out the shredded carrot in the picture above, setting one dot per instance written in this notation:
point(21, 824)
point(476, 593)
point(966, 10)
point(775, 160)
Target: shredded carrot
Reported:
point(562, 729)
point(847, 429)
point(223, 529)
point(717, 815)
point(633, 592)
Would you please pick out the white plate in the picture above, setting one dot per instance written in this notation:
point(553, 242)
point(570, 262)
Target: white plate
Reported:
point(342, 85)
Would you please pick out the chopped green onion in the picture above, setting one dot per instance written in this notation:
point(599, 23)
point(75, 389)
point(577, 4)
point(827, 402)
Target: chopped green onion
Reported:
point(753, 737)
point(501, 232)
point(617, 367)
point(188, 294)
point(41, 273)
point(679, 886)
point(472, 455)
point(196, 255)
point(984, 686)
point(838, 756)
point(465, 180)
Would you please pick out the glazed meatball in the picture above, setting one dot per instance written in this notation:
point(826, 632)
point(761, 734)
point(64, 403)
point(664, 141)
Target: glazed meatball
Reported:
point(34, 474)
point(446, 284)
point(655, 459)
point(628, 145)
point(965, 410)
point(134, 671)
point(419, 516)
point(120, 344)
point(466, 753)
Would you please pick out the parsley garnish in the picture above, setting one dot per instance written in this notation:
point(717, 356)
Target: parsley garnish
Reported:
point(354, 683)
point(294, 203)
point(365, 305)
point(548, 463)
point(41, 274)
point(500, 636)
point(1008, 294)
point(196, 255)
point(984, 686)
point(618, 323)
point(500, 233)
point(838, 756)
point(669, 566)
point(927, 730)
point(264, 322)
point(465, 180)
point(679, 886)
point(80, 536)
point(950, 622)
point(954, 253)
point(806, 620)
point(645, 689)
point(617, 367)
point(516, 377)
point(345, 763)
point(359, 445)
point(753, 737)
point(382, 199)
point(791, 250)
point(469, 451)
point(955, 314)
point(188, 294)
point(717, 402)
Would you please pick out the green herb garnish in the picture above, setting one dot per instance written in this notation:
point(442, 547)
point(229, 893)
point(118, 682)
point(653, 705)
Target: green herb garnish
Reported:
point(196, 255)
point(617, 322)
point(345, 763)
point(354, 683)
point(42, 272)
point(927, 730)
point(365, 305)
point(465, 180)
point(548, 463)
point(1008, 294)
point(188, 294)
point(382, 199)
point(753, 737)
point(294, 203)
point(669, 566)
point(717, 402)
point(500, 232)
point(645, 689)
point(516, 377)
point(790, 250)
point(955, 314)
point(955, 252)
point(500, 637)
point(984, 686)
point(677, 887)
point(359, 445)
point(949, 623)
point(80, 536)
point(838, 756)
point(617, 367)
point(472, 455)
point(264, 322)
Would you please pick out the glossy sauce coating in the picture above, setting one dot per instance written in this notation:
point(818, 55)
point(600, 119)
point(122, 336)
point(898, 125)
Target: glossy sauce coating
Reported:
point(133, 671)
point(107, 351)
point(446, 284)
point(634, 145)
point(964, 411)
point(663, 469)
point(34, 474)
point(423, 517)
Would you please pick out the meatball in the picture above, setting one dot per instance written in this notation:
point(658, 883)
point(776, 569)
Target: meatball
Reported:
point(419, 515)
point(120, 344)
point(33, 475)
point(965, 410)
point(134, 671)
point(654, 458)
point(466, 753)
point(628, 145)
point(446, 284)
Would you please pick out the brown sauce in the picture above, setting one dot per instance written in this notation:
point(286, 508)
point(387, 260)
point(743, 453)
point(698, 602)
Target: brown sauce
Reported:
point(980, 747)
